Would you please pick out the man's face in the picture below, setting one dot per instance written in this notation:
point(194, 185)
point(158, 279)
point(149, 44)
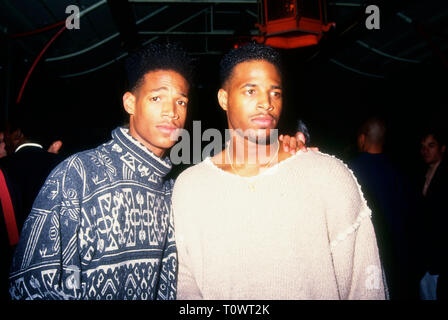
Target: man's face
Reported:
point(157, 109)
point(252, 98)
point(431, 150)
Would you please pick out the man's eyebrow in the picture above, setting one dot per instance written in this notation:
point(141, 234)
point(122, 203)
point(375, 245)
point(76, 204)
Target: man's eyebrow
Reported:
point(159, 89)
point(166, 89)
point(251, 85)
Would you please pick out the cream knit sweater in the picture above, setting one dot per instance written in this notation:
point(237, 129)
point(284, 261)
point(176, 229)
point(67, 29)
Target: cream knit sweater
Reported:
point(299, 230)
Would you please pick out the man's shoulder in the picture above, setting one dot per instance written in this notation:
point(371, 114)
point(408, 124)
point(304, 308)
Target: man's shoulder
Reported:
point(79, 159)
point(86, 155)
point(39, 155)
point(316, 160)
point(195, 173)
point(195, 169)
point(443, 169)
point(20, 161)
point(324, 169)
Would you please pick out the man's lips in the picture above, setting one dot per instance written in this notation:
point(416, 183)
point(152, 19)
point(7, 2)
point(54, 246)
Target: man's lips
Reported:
point(166, 128)
point(263, 120)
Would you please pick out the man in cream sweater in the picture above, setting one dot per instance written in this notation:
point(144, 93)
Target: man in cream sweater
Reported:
point(269, 225)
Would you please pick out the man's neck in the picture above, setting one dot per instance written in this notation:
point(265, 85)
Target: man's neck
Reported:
point(374, 149)
point(434, 165)
point(244, 151)
point(159, 152)
point(248, 158)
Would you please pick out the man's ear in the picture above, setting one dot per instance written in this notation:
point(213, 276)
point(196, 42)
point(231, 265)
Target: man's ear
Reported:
point(361, 141)
point(129, 102)
point(223, 99)
point(443, 149)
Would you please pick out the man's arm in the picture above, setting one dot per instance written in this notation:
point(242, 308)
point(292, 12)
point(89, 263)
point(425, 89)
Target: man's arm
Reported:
point(46, 263)
point(358, 269)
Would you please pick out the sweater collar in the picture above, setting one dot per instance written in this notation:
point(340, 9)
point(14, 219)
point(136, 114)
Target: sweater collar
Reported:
point(160, 166)
point(29, 144)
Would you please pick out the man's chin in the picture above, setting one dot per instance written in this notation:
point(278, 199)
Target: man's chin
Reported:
point(166, 145)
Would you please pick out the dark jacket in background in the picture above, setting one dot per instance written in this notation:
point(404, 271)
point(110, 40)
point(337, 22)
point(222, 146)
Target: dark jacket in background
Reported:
point(435, 223)
point(393, 206)
point(25, 172)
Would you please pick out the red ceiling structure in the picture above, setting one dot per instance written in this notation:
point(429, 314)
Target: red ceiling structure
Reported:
point(291, 24)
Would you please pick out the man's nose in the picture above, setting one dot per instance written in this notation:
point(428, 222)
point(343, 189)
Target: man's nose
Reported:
point(265, 102)
point(169, 110)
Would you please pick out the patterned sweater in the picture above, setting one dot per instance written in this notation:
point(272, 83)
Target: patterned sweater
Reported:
point(100, 228)
point(299, 230)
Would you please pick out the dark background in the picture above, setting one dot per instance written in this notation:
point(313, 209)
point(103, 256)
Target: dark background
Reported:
point(332, 100)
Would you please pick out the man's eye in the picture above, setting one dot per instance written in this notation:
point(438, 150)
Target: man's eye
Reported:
point(182, 103)
point(250, 91)
point(276, 94)
point(155, 99)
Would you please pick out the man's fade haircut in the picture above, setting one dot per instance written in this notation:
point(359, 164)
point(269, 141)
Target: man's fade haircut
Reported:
point(375, 129)
point(157, 56)
point(248, 52)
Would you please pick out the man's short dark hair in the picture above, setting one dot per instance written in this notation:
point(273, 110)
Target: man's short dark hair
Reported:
point(157, 56)
point(249, 52)
point(437, 133)
point(375, 130)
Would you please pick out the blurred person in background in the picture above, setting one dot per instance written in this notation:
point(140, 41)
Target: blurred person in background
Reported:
point(392, 202)
point(434, 189)
point(2, 145)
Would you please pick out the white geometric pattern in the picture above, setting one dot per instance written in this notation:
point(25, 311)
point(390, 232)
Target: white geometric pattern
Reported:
point(100, 229)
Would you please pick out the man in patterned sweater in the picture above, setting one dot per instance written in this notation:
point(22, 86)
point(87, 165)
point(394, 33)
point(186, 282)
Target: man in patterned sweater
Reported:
point(100, 227)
